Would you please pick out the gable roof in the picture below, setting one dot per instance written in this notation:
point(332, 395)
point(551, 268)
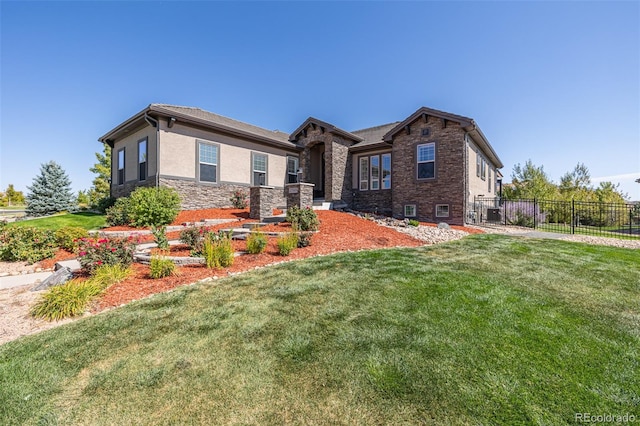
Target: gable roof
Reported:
point(468, 124)
point(206, 119)
point(372, 137)
point(327, 127)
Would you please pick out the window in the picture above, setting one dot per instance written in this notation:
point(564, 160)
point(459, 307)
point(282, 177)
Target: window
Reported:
point(478, 164)
point(386, 171)
point(410, 210)
point(208, 160)
point(259, 169)
point(483, 173)
point(375, 172)
point(142, 160)
point(121, 167)
point(427, 161)
point(442, 210)
point(364, 173)
point(489, 181)
point(292, 169)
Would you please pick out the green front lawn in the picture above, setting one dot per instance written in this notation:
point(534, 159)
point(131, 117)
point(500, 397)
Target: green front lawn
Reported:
point(487, 330)
point(86, 220)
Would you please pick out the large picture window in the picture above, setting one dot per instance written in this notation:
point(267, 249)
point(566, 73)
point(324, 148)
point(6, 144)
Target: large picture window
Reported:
point(259, 174)
point(121, 167)
point(386, 171)
point(208, 162)
point(142, 160)
point(375, 172)
point(364, 173)
point(426, 161)
point(292, 169)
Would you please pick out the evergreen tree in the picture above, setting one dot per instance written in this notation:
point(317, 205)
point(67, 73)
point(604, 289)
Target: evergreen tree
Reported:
point(50, 191)
point(101, 185)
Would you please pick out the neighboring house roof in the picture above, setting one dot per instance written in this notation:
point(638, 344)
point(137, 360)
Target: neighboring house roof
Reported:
point(468, 124)
point(326, 127)
point(202, 118)
point(372, 137)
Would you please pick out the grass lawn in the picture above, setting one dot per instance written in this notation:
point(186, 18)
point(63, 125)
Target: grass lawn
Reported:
point(486, 330)
point(86, 220)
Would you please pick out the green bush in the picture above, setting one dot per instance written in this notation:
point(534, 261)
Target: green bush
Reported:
point(105, 251)
point(153, 206)
point(256, 242)
point(239, 199)
point(161, 267)
point(72, 298)
point(104, 203)
point(118, 213)
point(67, 235)
point(304, 239)
point(286, 243)
point(217, 250)
point(160, 237)
point(26, 244)
point(413, 222)
point(303, 219)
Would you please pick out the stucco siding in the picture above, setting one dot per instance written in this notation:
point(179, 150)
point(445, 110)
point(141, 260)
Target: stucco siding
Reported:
point(131, 169)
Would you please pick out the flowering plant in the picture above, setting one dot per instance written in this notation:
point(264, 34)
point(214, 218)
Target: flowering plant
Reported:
point(239, 199)
point(93, 253)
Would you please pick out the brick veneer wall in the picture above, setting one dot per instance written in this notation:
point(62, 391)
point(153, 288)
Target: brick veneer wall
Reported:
point(448, 185)
point(373, 201)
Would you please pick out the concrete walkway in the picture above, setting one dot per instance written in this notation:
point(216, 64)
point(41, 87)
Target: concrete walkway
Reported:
point(23, 279)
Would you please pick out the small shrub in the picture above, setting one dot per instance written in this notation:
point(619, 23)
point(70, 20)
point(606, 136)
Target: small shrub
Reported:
point(160, 237)
point(413, 222)
point(107, 275)
point(217, 250)
point(256, 242)
point(67, 235)
point(153, 206)
point(118, 213)
point(193, 238)
point(104, 203)
point(105, 251)
point(304, 239)
point(286, 243)
point(161, 267)
point(67, 300)
point(239, 199)
point(26, 244)
point(303, 219)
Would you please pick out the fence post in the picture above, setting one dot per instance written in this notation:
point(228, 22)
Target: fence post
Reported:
point(630, 227)
point(573, 217)
point(535, 219)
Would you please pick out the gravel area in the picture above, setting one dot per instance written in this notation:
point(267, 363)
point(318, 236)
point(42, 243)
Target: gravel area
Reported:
point(428, 234)
point(18, 268)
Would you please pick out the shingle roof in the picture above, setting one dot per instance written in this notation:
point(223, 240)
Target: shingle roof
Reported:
point(372, 135)
point(223, 121)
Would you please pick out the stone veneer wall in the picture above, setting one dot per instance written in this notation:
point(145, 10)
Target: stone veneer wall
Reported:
point(448, 185)
point(373, 201)
point(299, 195)
point(118, 191)
point(263, 199)
point(196, 196)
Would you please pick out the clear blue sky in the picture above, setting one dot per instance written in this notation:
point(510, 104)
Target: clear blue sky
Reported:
point(554, 82)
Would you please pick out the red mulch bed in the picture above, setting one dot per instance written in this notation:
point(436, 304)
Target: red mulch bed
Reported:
point(194, 216)
point(58, 257)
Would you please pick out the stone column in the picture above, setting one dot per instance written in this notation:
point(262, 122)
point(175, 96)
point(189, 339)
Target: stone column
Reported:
point(299, 194)
point(262, 201)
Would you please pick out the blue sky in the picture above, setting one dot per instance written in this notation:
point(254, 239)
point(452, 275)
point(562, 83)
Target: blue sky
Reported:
point(554, 82)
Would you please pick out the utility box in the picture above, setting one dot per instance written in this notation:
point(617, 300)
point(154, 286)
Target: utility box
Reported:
point(493, 215)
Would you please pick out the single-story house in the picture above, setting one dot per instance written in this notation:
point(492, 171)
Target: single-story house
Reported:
point(429, 166)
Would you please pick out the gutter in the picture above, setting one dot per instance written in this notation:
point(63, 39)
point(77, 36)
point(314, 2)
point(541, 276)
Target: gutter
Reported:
point(155, 123)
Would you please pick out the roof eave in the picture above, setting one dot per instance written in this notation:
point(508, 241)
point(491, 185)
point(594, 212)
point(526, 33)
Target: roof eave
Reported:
point(110, 135)
point(330, 128)
point(370, 147)
point(474, 130)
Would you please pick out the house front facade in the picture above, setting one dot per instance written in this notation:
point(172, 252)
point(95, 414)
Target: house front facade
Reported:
point(429, 166)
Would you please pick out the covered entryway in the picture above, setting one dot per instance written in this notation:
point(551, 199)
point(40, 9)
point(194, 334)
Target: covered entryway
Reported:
point(317, 169)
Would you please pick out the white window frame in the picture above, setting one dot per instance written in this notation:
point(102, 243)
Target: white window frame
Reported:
point(143, 176)
point(292, 175)
point(375, 181)
point(489, 180)
point(478, 164)
point(438, 210)
point(207, 163)
point(363, 173)
point(120, 175)
point(410, 210)
point(484, 170)
point(418, 161)
point(254, 170)
point(386, 181)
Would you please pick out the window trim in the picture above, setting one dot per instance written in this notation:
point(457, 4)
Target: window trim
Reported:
point(144, 141)
point(489, 180)
point(478, 163)
point(415, 210)
point(418, 162)
point(441, 215)
point(295, 173)
point(254, 155)
point(365, 159)
point(371, 178)
point(200, 142)
point(382, 178)
point(484, 170)
point(121, 179)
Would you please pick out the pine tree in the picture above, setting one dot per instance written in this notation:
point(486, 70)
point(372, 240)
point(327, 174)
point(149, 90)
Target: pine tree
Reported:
point(50, 191)
point(101, 183)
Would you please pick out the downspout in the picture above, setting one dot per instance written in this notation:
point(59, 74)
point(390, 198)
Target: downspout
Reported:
point(465, 189)
point(155, 123)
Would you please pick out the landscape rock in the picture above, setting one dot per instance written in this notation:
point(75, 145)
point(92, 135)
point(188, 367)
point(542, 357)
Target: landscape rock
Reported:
point(59, 277)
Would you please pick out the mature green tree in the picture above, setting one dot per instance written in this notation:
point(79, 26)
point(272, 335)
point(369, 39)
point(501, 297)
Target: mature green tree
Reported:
point(529, 181)
point(576, 184)
point(607, 192)
point(50, 191)
point(101, 183)
point(82, 199)
point(14, 198)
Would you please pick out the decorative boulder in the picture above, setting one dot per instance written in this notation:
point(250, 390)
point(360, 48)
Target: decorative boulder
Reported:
point(59, 277)
point(443, 225)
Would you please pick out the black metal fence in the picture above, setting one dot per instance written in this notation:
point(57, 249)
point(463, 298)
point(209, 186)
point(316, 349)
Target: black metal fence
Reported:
point(619, 220)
